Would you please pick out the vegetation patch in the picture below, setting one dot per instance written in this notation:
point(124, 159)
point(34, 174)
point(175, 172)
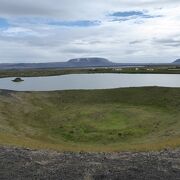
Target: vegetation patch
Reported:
point(17, 80)
point(92, 120)
point(60, 71)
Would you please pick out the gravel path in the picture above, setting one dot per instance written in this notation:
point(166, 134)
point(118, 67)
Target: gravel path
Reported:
point(18, 163)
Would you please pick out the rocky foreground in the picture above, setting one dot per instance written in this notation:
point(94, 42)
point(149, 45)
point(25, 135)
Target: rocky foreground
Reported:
point(16, 163)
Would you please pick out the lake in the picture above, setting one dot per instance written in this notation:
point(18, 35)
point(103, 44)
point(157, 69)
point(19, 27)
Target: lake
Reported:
point(90, 81)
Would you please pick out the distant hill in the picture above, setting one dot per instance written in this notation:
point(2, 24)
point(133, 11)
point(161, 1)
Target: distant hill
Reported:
point(72, 63)
point(80, 63)
point(7, 66)
point(177, 61)
point(89, 62)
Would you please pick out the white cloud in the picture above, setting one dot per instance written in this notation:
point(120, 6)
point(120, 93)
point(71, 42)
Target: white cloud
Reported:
point(29, 38)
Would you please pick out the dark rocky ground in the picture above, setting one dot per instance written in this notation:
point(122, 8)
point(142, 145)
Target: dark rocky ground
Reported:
point(16, 163)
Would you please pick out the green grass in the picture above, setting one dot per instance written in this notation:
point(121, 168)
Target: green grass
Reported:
point(92, 120)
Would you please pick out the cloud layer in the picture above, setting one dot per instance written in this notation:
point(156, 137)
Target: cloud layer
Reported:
point(123, 31)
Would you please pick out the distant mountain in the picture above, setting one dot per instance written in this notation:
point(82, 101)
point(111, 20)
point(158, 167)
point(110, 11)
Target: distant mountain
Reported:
point(72, 63)
point(81, 62)
point(177, 61)
point(7, 66)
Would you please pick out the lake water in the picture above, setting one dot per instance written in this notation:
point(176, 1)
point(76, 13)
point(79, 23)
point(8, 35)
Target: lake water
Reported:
point(90, 81)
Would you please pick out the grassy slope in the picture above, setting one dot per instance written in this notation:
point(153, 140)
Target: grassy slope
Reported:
point(97, 120)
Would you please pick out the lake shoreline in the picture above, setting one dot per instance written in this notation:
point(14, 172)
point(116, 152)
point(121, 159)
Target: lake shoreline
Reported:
point(55, 72)
point(90, 81)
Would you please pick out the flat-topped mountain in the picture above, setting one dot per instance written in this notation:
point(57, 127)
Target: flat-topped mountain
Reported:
point(177, 61)
point(90, 61)
point(79, 62)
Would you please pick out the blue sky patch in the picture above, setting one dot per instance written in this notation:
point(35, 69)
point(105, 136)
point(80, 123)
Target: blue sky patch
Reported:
point(119, 16)
point(3, 23)
point(84, 23)
point(56, 22)
point(128, 15)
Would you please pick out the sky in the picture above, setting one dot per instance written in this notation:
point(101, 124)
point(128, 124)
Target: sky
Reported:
point(120, 30)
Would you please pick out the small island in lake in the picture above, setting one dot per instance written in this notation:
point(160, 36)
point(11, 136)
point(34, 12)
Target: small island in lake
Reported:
point(17, 80)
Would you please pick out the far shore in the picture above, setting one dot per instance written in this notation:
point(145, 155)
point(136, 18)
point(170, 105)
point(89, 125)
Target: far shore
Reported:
point(55, 72)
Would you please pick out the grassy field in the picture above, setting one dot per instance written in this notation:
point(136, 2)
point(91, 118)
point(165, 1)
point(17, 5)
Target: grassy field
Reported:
point(92, 120)
point(54, 72)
